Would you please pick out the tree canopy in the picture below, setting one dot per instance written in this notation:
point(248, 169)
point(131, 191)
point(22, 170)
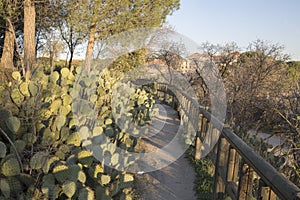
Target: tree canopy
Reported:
point(76, 20)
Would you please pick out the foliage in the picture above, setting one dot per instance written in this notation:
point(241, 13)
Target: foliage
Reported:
point(262, 94)
point(105, 19)
point(294, 72)
point(37, 116)
point(204, 169)
point(9, 15)
point(262, 89)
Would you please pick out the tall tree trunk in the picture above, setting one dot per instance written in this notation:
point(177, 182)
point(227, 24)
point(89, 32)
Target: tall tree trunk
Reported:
point(71, 47)
point(29, 34)
point(8, 47)
point(51, 55)
point(90, 48)
point(71, 57)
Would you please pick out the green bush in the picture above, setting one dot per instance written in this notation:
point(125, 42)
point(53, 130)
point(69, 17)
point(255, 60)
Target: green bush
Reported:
point(204, 169)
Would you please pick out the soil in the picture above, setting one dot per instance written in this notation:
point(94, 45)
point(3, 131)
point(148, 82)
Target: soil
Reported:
point(175, 181)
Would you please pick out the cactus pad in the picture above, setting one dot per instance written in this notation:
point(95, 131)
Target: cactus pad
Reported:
point(38, 160)
point(86, 194)
point(2, 150)
point(69, 188)
point(5, 188)
point(13, 123)
point(104, 179)
point(85, 158)
point(10, 167)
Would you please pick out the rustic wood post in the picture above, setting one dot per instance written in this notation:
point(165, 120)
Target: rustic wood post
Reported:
point(204, 127)
point(245, 182)
point(219, 186)
point(198, 142)
point(233, 165)
point(173, 102)
point(232, 173)
point(198, 148)
point(265, 192)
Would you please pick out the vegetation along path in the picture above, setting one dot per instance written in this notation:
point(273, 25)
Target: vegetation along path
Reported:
point(175, 181)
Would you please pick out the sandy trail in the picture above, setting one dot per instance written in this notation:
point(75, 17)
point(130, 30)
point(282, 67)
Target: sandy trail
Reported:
point(175, 181)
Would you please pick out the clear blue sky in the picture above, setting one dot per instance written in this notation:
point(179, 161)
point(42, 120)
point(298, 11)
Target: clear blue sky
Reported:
point(241, 21)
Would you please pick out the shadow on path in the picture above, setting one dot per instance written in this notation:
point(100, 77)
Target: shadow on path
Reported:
point(175, 181)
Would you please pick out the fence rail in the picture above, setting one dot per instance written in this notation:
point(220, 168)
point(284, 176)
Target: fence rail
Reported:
point(240, 173)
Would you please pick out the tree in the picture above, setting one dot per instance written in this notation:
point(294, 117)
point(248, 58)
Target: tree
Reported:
point(223, 55)
point(2, 34)
point(29, 34)
point(52, 47)
point(288, 111)
point(8, 46)
point(255, 79)
point(21, 23)
point(107, 18)
point(47, 16)
point(72, 31)
point(228, 55)
point(210, 49)
point(9, 11)
point(263, 95)
point(170, 54)
point(294, 73)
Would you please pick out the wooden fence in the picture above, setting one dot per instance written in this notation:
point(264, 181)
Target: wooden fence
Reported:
point(240, 173)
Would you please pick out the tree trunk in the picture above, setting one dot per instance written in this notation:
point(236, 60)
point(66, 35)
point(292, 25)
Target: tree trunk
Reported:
point(29, 34)
point(71, 58)
point(8, 47)
point(90, 48)
point(51, 55)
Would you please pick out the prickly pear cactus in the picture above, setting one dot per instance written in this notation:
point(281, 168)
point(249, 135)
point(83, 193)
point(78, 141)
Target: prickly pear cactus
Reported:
point(38, 160)
point(37, 113)
point(10, 167)
point(2, 150)
point(69, 188)
point(5, 188)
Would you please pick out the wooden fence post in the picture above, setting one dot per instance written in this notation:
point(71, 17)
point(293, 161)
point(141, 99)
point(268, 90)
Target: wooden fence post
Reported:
point(198, 142)
point(245, 182)
point(219, 186)
point(265, 192)
point(232, 173)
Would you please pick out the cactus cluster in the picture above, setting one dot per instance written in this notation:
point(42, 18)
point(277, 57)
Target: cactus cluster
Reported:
point(39, 118)
point(142, 101)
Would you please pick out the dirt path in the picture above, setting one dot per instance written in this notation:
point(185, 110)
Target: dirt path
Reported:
point(175, 181)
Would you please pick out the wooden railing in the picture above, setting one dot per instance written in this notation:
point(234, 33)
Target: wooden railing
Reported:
point(240, 173)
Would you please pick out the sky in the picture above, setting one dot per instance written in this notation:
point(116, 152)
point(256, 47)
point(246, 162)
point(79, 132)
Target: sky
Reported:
point(240, 21)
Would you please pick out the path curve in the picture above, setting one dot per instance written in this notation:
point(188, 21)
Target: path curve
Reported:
point(172, 182)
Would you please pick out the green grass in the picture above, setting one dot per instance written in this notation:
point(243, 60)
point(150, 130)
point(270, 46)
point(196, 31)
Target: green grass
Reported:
point(204, 169)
